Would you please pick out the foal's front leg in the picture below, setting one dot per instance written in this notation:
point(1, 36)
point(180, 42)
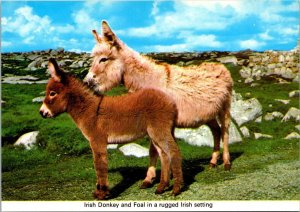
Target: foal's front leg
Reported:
point(100, 163)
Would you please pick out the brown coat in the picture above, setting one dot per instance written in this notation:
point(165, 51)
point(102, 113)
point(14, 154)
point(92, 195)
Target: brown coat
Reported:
point(104, 120)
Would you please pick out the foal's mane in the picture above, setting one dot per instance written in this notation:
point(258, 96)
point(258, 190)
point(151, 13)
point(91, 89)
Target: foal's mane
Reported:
point(72, 79)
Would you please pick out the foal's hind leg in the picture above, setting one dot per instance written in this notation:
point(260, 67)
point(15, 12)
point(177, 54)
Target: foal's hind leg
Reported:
point(225, 123)
point(170, 157)
point(151, 173)
point(216, 131)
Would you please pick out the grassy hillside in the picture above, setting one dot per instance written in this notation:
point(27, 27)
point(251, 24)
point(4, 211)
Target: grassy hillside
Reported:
point(61, 166)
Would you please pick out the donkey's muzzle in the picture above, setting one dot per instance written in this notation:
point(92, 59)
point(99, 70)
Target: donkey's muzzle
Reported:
point(45, 112)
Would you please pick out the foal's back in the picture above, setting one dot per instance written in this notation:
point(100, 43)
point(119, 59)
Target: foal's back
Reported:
point(137, 111)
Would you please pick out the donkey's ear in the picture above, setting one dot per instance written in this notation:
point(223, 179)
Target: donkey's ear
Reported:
point(55, 71)
point(108, 34)
point(96, 36)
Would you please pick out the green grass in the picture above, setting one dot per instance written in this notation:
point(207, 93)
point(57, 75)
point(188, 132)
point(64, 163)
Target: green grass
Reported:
point(60, 167)
point(261, 170)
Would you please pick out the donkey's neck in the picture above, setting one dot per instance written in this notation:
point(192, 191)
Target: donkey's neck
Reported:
point(83, 104)
point(140, 71)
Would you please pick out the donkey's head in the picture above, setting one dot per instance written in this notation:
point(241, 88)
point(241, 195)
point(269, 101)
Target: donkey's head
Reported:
point(107, 67)
point(56, 99)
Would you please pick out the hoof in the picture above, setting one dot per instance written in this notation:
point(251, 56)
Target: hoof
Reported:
point(161, 188)
point(146, 185)
point(176, 191)
point(227, 167)
point(159, 191)
point(101, 195)
point(212, 165)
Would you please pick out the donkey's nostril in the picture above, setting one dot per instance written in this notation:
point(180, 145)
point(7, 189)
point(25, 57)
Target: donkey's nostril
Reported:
point(94, 76)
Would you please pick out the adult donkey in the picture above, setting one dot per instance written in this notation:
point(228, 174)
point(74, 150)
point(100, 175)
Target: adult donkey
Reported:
point(202, 93)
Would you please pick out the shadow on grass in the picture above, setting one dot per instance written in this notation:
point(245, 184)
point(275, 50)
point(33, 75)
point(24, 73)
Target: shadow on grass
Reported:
point(130, 175)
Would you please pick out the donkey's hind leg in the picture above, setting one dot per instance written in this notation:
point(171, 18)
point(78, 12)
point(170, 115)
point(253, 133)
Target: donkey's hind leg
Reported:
point(151, 173)
point(225, 123)
point(216, 131)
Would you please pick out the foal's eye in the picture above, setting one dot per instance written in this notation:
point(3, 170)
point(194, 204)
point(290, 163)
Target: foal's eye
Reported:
point(52, 93)
point(102, 60)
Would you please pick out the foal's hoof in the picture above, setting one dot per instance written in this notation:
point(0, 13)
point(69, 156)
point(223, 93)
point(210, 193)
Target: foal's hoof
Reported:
point(159, 191)
point(161, 188)
point(101, 195)
point(146, 185)
point(176, 190)
point(227, 167)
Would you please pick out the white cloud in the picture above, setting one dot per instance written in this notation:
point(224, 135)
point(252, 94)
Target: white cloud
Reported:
point(25, 23)
point(84, 22)
point(287, 31)
point(190, 43)
point(190, 15)
point(6, 43)
point(155, 8)
point(168, 48)
point(33, 29)
point(265, 36)
point(251, 44)
point(64, 29)
point(29, 40)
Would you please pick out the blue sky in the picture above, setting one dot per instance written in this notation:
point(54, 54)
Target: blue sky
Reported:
point(152, 26)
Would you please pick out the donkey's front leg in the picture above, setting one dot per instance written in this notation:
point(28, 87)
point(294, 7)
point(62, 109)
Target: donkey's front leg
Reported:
point(100, 163)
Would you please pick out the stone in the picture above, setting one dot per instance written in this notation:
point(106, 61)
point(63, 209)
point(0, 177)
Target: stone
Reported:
point(248, 80)
point(81, 63)
point(112, 146)
point(33, 56)
point(38, 99)
point(245, 131)
point(243, 111)
point(293, 113)
point(234, 134)
point(180, 63)
point(281, 58)
point(260, 135)
point(273, 115)
point(296, 79)
point(295, 93)
point(134, 150)
point(228, 59)
point(245, 72)
point(74, 65)
point(202, 136)
point(298, 127)
point(19, 79)
point(27, 140)
point(292, 135)
point(284, 101)
point(258, 120)
point(35, 64)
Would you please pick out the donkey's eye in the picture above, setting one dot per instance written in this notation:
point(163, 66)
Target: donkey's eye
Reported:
point(52, 93)
point(102, 60)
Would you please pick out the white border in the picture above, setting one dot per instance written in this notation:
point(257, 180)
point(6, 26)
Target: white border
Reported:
point(144, 205)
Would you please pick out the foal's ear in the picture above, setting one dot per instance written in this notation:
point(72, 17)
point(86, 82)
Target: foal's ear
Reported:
point(54, 70)
point(108, 34)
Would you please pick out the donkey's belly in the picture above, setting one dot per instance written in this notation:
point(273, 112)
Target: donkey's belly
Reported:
point(194, 117)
